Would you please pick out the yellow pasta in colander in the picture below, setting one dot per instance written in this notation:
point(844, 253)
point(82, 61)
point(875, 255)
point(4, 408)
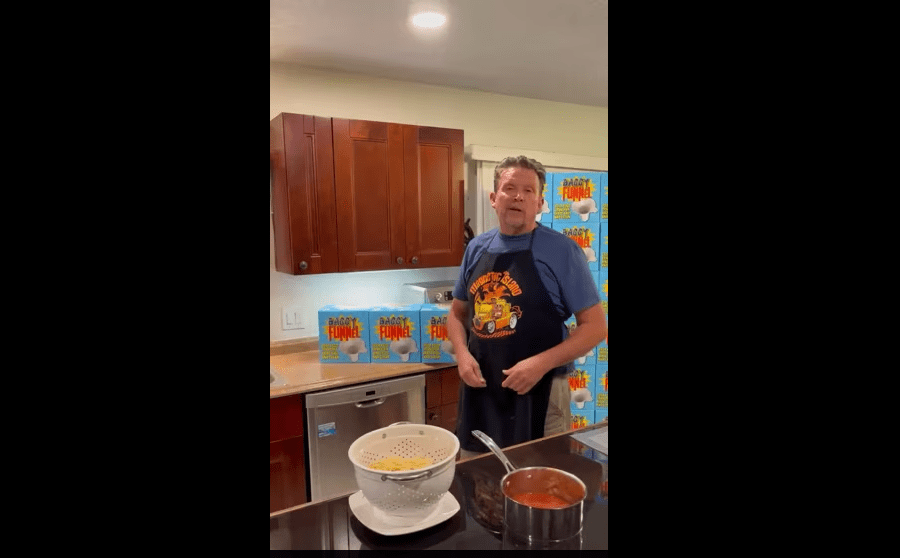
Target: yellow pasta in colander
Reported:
point(394, 463)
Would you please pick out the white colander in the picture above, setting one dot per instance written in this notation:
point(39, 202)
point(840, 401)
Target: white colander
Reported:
point(414, 493)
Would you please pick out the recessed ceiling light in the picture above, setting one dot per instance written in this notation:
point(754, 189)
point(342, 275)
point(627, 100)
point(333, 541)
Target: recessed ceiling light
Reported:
point(429, 20)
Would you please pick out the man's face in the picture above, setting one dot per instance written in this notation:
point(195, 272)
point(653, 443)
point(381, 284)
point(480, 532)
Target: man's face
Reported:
point(517, 200)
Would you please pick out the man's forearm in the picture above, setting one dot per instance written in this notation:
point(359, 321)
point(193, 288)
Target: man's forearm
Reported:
point(456, 331)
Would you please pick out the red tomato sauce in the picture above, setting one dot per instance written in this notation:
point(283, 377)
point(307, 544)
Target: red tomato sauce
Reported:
point(540, 500)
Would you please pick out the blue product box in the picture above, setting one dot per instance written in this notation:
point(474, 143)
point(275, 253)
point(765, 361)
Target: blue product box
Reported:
point(604, 196)
point(344, 334)
point(602, 373)
point(545, 215)
point(580, 419)
point(601, 399)
point(604, 246)
point(585, 235)
point(590, 357)
point(576, 197)
point(436, 345)
point(603, 289)
point(603, 347)
point(582, 388)
point(394, 333)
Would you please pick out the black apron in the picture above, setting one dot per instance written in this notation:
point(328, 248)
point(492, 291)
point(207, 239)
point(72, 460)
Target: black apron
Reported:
point(510, 318)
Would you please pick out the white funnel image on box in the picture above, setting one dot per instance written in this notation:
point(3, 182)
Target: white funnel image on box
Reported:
point(403, 347)
point(352, 348)
point(590, 254)
point(584, 208)
point(447, 347)
point(545, 208)
point(580, 397)
point(582, 359)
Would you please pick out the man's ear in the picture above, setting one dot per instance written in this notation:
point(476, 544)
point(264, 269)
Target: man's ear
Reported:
point(492, 197)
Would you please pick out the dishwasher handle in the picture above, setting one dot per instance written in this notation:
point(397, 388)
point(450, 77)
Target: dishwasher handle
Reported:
point(370, 403)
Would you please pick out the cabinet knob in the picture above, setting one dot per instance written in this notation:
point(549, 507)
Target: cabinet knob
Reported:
point(303, 265)
point(415, 260)
point(400, 261)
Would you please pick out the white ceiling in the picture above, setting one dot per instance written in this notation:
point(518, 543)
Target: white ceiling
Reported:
point(555, 50)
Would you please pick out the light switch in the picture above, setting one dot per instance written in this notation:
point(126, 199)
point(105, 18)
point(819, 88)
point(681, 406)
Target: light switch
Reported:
point(292, 318)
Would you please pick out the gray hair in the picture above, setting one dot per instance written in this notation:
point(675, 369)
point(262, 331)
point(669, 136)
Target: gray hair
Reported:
point(523, 162)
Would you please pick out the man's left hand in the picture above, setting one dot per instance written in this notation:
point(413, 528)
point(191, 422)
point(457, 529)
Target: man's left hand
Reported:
point(523, 376)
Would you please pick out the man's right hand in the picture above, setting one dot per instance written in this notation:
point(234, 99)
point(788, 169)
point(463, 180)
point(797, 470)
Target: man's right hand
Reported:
point(469, 371)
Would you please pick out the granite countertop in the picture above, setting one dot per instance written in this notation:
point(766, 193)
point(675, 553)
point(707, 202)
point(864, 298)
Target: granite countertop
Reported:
point(296, 364)
point(331, 524)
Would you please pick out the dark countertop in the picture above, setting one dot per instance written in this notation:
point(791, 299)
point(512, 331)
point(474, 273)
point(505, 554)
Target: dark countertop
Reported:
point(331, 525)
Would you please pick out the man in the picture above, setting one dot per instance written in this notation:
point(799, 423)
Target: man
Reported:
point(517, 285)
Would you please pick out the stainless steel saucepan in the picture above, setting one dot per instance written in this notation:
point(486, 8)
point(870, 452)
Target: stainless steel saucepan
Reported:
point(541, 504)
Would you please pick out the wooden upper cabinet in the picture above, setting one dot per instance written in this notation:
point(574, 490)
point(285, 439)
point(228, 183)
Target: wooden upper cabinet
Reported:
point(394, 199)
point(303, 194)
point(369, 193)
point(433, 164)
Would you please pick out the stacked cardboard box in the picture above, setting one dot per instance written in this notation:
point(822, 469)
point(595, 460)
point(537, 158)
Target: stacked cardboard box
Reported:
point(395, 333)
point(545, 216)
point(580, 210)
point(386, 333)
point(588, 385)
point(436, 345)
point(344, 334)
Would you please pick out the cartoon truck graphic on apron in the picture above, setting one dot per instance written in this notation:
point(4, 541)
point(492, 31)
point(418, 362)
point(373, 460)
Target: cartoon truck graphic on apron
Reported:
point(496, 313)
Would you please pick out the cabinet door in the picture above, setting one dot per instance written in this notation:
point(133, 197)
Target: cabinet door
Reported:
point(441, 396)
point(433, 169)
point(287, 474)
point(450, 385)
point(287, 453)
point(303, 194)
point(368, 176)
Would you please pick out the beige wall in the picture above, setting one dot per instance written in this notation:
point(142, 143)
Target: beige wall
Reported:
point(487, 119)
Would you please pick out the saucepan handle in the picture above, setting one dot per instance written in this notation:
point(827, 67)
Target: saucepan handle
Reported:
point(486, 440)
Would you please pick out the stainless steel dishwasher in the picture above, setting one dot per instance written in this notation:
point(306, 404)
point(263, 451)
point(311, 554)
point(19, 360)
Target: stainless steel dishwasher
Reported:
point(337, 417)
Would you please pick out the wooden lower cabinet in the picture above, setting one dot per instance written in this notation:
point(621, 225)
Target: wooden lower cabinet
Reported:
point(442, 397)
point(287, 453)
point(287, 473)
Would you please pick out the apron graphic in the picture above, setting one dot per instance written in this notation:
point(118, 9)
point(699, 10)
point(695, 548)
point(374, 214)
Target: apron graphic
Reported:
point(494, 315)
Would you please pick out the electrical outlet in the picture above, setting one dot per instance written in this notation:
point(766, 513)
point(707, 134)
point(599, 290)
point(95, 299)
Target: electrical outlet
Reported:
point(292, 318)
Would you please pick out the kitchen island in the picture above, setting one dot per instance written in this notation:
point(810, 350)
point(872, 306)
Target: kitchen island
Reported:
point(478, 525)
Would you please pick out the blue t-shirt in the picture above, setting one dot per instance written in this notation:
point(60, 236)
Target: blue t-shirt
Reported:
point(560, 262)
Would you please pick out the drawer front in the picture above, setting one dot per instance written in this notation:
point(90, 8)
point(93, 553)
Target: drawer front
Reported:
point(285, 417)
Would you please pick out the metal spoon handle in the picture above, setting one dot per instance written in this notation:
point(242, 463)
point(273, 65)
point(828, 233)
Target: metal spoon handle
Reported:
point(486, 440)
